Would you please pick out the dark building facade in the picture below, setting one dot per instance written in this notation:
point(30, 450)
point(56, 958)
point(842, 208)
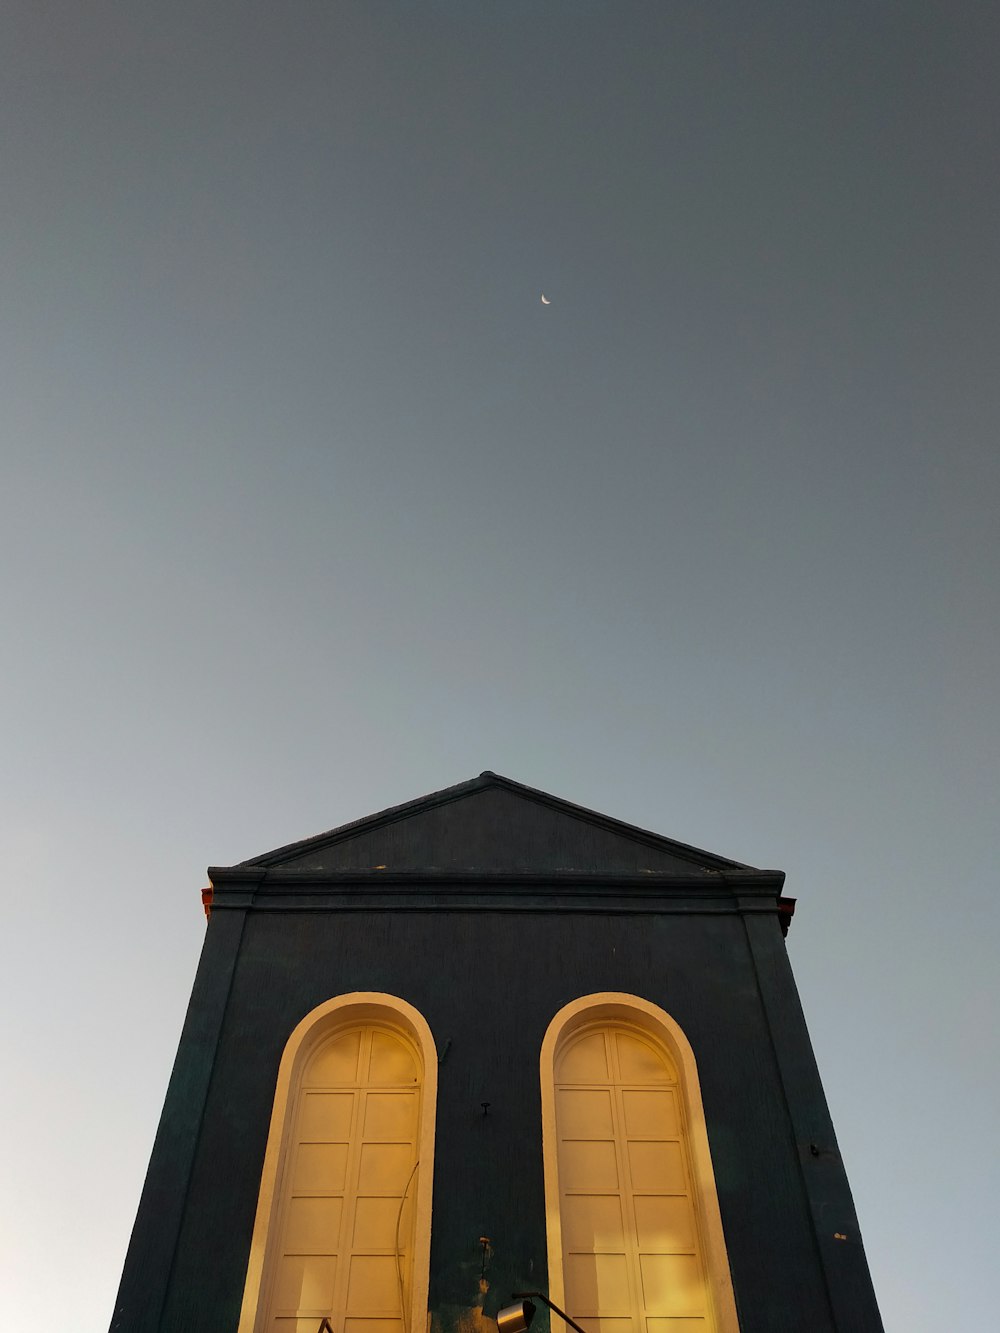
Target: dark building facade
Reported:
point(489, 1042)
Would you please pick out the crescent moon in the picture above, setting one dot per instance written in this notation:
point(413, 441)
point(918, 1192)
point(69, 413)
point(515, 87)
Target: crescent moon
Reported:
point(545, 300)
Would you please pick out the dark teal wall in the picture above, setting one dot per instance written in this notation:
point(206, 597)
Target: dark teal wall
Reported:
point(489, 982)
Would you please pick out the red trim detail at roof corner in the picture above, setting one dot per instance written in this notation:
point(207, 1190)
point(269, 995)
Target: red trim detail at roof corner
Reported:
point(786, 910)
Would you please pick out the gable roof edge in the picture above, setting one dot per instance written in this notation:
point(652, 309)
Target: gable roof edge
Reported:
point(682, 851)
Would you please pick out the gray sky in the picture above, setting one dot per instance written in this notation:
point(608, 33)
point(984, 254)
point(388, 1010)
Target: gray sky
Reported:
point(308, 506)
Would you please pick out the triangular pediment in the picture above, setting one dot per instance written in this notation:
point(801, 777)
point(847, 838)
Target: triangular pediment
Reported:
point(496, 826)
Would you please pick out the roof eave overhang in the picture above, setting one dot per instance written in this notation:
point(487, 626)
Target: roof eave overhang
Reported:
point(261, 890)
point(743, 881)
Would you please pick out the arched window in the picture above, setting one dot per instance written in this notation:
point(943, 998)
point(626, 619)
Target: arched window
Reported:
point(343, 1217)
point(635, 1238)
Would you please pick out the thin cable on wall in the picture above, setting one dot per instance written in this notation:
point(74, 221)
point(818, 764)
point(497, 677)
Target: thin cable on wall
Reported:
point(399, 1263)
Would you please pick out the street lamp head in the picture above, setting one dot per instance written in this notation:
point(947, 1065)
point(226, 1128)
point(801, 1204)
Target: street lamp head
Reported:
point(516, 1318)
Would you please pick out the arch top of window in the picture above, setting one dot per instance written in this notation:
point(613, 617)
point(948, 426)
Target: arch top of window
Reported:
point(625, 1052)
point(392, 1059)
point(322, 1024)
